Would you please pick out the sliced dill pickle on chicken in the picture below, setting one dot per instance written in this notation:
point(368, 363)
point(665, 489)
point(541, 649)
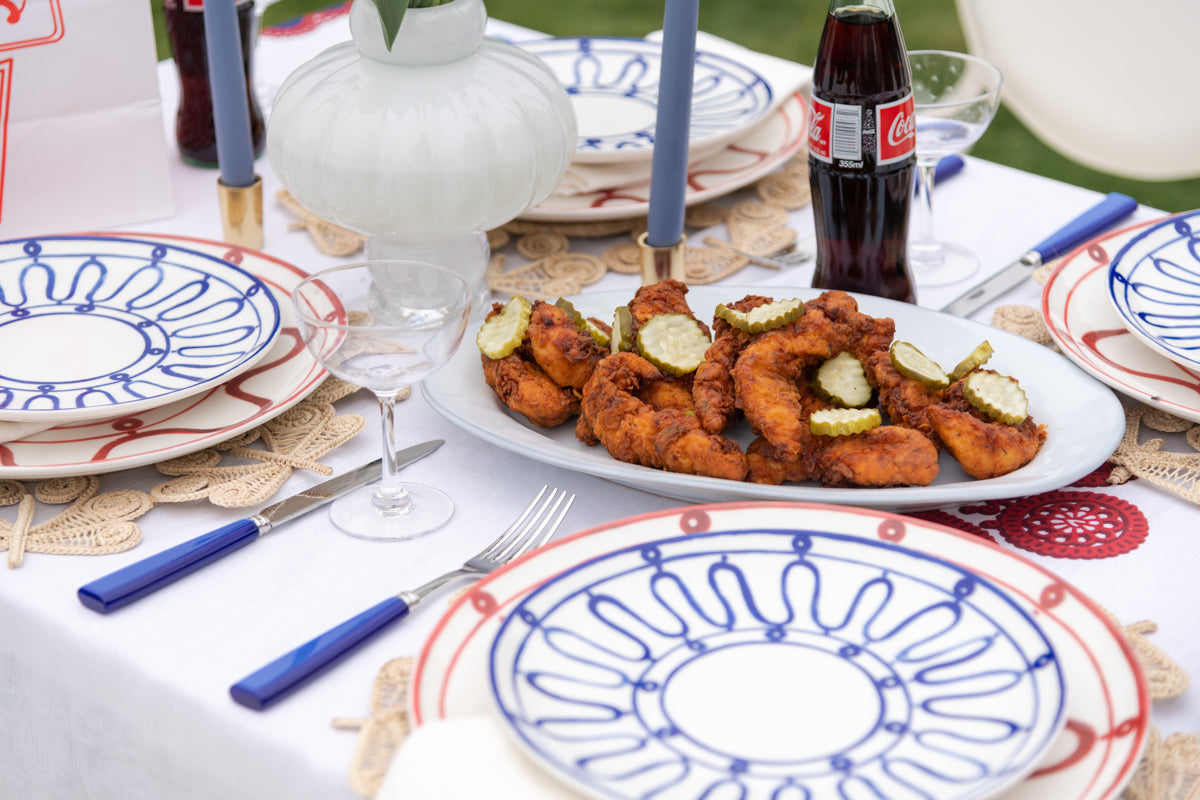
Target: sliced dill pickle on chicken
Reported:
point(503, 333)
point(843, 421)
point(583, 323)
point(766, 317)
point(976, 359)
point(998, 396)
point(842, 381)
point(916, 366)
point(621, 340)
point(675, 343)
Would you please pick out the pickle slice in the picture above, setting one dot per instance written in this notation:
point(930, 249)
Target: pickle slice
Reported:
point(503, 333)
point(583, 323)
point(976, 359)
point(843, 421)
point(842, 381)
point(675, 343)
point(998, 396)
point(915, 365)
point(767, 317)
point(621, 340)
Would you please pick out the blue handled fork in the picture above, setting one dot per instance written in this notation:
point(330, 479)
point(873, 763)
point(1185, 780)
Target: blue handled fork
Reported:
point(271, 683)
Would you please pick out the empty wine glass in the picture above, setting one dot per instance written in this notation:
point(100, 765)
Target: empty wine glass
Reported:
point(385, 325)
point(955, 96)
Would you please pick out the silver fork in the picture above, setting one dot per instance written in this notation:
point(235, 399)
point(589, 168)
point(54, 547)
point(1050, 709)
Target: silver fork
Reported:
point(271, 683)
point(802, 251)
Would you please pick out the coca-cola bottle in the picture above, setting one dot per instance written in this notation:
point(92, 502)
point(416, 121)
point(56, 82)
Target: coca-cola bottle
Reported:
point(194, 131)
point(862, 151)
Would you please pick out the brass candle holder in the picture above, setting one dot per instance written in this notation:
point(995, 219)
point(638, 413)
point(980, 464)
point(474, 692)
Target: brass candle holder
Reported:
point(661, 263)
point(242, 213)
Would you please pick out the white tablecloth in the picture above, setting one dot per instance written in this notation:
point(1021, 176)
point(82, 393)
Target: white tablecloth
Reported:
point(135, 704)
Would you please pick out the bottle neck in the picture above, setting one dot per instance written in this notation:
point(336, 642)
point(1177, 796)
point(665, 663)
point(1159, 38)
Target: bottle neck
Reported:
point(882, 6)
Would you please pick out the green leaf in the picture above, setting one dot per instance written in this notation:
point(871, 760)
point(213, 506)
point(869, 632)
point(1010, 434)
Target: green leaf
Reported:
point(391, 14)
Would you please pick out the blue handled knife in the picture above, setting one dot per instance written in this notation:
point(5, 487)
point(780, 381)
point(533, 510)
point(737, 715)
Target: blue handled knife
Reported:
point(1095, 220)
point(120, 588)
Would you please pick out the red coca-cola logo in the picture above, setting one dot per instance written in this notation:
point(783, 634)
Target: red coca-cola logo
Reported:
point(820, 117)
point(899, 121)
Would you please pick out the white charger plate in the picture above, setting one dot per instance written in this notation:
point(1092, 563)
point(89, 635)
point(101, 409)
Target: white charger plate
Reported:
point(752, 155)
point(613, 84)
point(1083, 323)
point(1107, 699)
point(1084, 420)
point(1154, 284)
point(283, 377)
point(96, 326)
point(766, 661)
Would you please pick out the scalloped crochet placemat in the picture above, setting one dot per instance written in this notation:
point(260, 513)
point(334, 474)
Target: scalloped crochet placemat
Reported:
point(755, 227)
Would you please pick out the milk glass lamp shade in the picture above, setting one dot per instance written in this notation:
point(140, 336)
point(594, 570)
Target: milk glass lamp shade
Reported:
point(428, 145)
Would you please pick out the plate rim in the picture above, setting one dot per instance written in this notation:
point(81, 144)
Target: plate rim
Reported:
point(1048, 727)
point(479, 606)
point(1122, 308)
point(692, 488)
point(654, 48)
point(66, 416)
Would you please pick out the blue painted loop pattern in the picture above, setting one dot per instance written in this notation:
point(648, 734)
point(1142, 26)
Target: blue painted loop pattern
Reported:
point(764, 665)
point(102, 326)
point(613, 84)
point(1154, 284)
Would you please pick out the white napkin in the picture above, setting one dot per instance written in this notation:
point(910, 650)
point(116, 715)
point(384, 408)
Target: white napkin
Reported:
point(11, 431)
point(784, 77)
point(466, 758)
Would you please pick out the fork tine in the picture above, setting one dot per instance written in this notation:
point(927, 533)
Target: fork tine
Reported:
point(501, 541)
point(517, 545)
point(546, 530)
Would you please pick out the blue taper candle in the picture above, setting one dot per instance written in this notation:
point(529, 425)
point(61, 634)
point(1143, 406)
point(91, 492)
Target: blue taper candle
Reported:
point(668, 170)
point(231, 105)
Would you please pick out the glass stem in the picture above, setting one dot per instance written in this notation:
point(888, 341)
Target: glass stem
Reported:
point(391, 498)
point(926, 249)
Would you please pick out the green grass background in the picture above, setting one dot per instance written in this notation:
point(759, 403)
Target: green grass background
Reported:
point(791, 29)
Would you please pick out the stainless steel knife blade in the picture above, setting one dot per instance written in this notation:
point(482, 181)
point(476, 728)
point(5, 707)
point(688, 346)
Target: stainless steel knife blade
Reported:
point(1095, 220)
point(122, 587)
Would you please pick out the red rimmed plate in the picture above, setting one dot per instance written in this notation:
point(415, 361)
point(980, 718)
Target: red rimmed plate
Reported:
point(1083, 323)
point(1108, 702)
point(284, 376)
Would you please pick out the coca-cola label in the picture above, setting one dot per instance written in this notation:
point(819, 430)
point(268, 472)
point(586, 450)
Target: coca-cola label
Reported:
point(897, 126)
point(841, 133)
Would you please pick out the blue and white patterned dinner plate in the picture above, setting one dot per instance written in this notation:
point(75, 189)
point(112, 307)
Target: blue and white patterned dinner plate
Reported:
point(613, 86)
point(1154, 284)
point(777, 663)
point(99, 326)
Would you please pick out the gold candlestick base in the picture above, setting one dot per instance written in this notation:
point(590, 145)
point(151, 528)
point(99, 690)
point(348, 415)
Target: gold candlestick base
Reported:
point(242, 213)
point(661, 263)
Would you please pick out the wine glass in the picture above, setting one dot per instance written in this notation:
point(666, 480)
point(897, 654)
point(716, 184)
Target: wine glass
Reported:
point(385, 325)
point(955, 97)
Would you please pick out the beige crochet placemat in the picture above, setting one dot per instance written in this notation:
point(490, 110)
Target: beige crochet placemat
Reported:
point(755, 228)
point(244, 471)
point(1169, 770)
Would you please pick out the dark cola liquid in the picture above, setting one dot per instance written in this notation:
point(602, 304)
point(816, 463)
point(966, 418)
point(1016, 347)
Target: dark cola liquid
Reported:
point(194, 131)
point(861, 213)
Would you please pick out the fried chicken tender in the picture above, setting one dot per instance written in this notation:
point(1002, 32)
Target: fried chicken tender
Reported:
point(566, 354)
point(887, 455)
point(713, 388)
point(905, 401)
point(525, 388)
point(983, 447)
point(770, 372)
point(664, 297)
point(633, 431)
